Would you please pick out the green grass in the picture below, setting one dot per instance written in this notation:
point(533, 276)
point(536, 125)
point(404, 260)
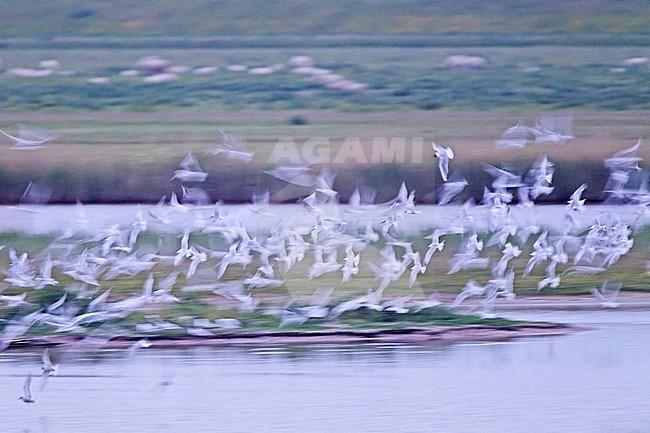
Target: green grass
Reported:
point(397, 79)
point(428, 317)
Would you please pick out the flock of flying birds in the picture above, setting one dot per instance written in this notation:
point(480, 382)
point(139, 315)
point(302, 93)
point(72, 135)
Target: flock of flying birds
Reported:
point(333, 235)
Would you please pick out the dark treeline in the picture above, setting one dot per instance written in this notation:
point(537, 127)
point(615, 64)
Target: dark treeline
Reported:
point(124, 183)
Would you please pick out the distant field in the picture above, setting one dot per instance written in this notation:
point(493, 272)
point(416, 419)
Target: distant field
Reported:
point(395, 79)
point(246, 17)
point(130, 157)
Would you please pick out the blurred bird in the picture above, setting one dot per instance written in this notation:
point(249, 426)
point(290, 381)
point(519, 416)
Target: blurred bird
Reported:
point(576, 203)
point(444, 155)
point(625, 159)
point(140, 344)
point(451, 189)
point(27, 391)
point(190, 170)
point(233, 148)
point(47, 368)
point(294, 174)
point(515, 137)
point(30, 138)
point(607, 295)
point(35, 194)
point(553, 129)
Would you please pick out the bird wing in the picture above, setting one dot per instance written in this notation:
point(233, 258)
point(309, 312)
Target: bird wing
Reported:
point(450, 153)
point(444, 169)
point(47, 362)
point(34, 134)
point(617, 154)
point(598, 295)
point(27, 391)
point(58, 303)
point(190, 163)
point(147, 287)
point(232, 142)
point(578, 192)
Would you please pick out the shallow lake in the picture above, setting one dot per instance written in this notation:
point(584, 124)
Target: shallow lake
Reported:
point(591, 381)
point(58, 218)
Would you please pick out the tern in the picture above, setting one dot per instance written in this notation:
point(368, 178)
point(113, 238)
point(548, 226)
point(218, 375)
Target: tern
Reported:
point(472, 288)
point(233, 148)
point(625, 159)
point(444, 154)
point(140, 344)
point(14, 300)
point(515, 137)
point(295, 174)
point(577, 203)
point(451, 189)
point(435, 245)
point(545, 136)
point(48, 368)
point(27, 392)
point(430, 302)
point(29, 138)
point(190, 170)
point(607, 295)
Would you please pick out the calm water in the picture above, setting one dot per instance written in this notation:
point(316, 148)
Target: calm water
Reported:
point(58, 218)
point(592, 381)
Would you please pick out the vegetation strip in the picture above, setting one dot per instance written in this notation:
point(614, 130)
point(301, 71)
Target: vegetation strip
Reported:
point(403, 335)
point(331, 41)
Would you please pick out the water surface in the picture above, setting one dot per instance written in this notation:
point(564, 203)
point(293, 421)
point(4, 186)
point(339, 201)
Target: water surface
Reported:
point(58, 218)
point(592, 381)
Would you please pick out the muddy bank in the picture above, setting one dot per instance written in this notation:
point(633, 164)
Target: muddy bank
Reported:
point(413, 335)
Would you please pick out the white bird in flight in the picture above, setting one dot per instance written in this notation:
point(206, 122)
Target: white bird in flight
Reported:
point(576, 202)
point(47, 368)
point(47, 364)
point(190, 170)
point(607, 295)
point(514, 137)
point(27, 391)
point(29, 138)
point(444, 154)
point(233, 148)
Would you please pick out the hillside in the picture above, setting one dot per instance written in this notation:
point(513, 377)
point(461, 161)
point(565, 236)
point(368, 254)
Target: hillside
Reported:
point(35, 18)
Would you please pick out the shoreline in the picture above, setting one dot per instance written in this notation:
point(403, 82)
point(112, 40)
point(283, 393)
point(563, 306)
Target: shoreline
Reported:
point(414, 335)
point(343, 336)
point(628, 300)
